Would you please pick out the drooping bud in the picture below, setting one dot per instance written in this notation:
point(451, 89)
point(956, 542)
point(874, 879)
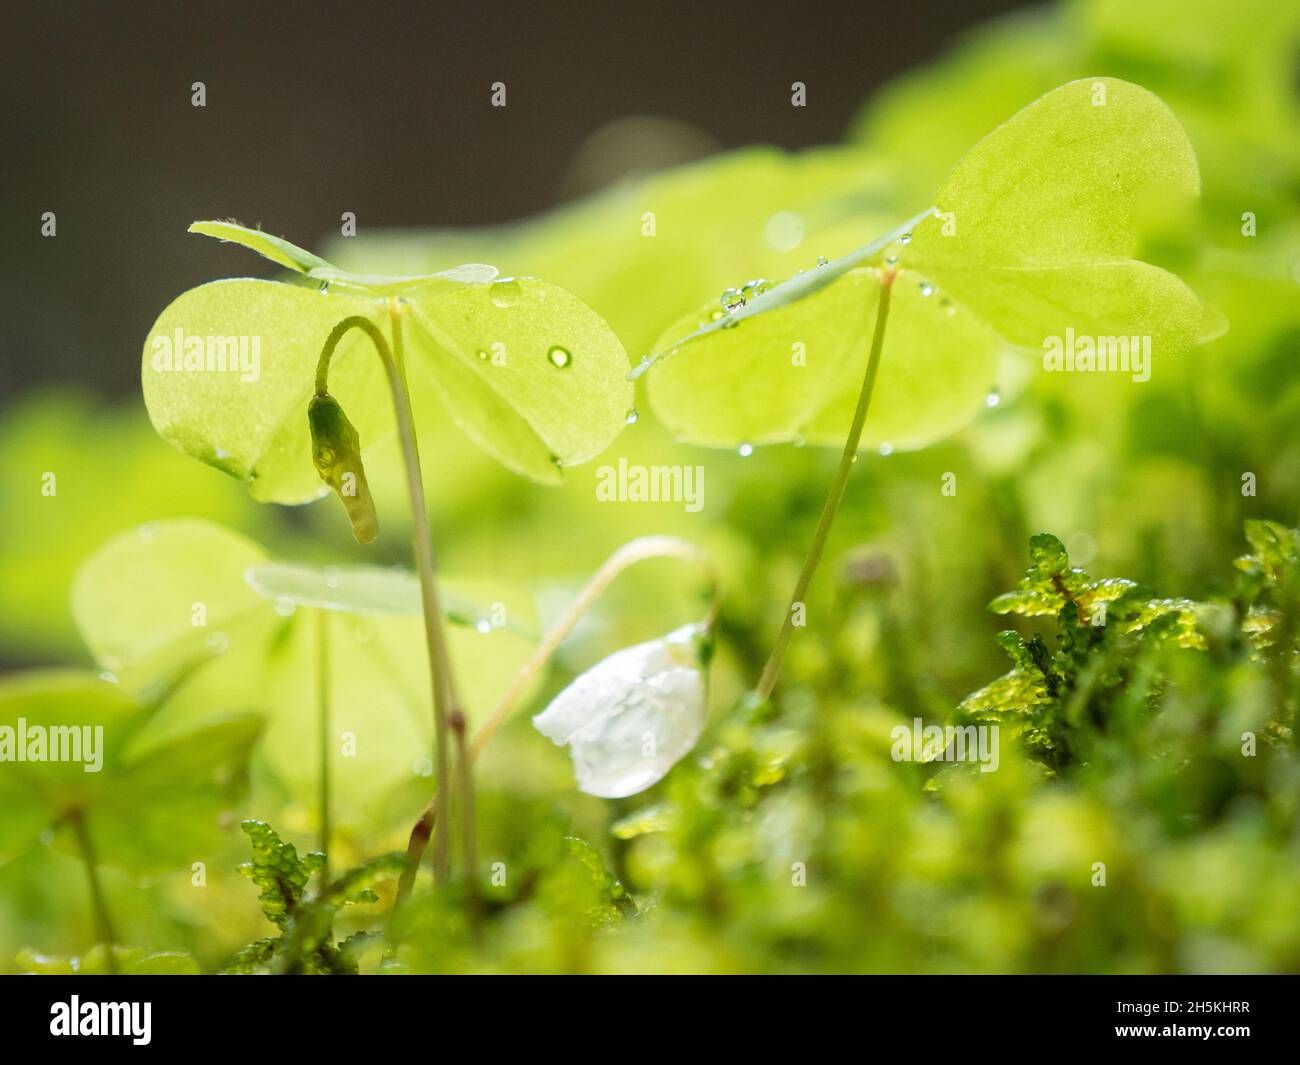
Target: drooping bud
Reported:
point(336, 454)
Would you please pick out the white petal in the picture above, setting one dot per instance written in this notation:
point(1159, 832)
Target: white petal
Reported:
point(633, 715)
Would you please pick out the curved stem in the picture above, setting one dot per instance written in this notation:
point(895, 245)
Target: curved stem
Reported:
point(323, 728)
point(630, 553)
point(440, 678)
point(848, 457)
point(99, 903)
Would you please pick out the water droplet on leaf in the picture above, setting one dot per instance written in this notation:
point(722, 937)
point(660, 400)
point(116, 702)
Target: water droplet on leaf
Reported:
point(559, 357)
point(732, 300)
point(505, 292)
point(745, 450)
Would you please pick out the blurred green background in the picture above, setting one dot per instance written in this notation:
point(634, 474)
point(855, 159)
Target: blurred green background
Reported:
point(391, 120)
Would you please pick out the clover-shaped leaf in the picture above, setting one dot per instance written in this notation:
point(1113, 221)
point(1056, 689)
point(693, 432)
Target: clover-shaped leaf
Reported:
point(146, 804)
point(793, 373)
point(193, 601)
point(1031, 235)
point(1036, 226)
point(528, 371)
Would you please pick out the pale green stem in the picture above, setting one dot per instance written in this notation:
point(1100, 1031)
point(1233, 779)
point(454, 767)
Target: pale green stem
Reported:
point(849, 456)
point(440, 678)
point(99, 903)
point(324, 728)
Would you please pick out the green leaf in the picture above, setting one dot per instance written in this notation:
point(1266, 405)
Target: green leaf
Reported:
point(1040, 235)
point(277, 249)
point(278, 871)
point(531, 373)
point(32, 793)
point(793, 373)
point(174, 796)
point(145, 805)
point(252, 422)
point(258, 649)
point(526, 369)
point(151, 600)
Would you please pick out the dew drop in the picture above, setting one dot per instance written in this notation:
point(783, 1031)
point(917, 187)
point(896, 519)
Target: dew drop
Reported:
point(482, 354)
point(284, 608)
point(891, 260)
point(422, 767)
point(504, 293)
point(927, 289)
point(714, 316)
point(906, 238)
point(823, 261)
point(632, 416)
point(886, 448)
point(483, 625)
point(745, 450)
point(732, 300)
point(323, 287)
point(753, 288)
point(993, 398)
point(559, 357)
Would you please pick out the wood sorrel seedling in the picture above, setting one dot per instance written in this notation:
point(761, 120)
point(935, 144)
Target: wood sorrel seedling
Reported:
point(1034, 231)
point(528, 371)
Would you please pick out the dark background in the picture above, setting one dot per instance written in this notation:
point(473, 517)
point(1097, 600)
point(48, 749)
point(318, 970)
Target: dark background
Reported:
point(377, 108)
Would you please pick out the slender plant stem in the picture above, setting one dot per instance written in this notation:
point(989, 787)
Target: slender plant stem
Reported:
point(849, 456)
point(440, 678)
point(99, 903)
point(324, 729)
point(469, 841)
point(630, 553)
